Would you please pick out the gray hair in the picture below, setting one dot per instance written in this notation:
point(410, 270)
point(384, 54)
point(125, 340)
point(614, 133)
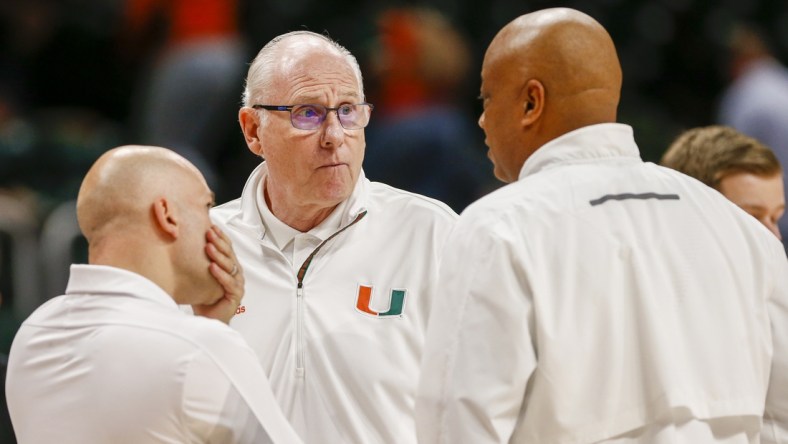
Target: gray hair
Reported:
point(261, 71)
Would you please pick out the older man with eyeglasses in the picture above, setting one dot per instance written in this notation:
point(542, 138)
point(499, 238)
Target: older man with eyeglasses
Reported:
point(340, 271)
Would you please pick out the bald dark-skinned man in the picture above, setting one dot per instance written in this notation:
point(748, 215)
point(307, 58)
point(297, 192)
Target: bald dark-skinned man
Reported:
point(115, 359)
point(597, 298)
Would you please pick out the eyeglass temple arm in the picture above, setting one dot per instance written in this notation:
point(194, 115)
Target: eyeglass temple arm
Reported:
point(273, 107)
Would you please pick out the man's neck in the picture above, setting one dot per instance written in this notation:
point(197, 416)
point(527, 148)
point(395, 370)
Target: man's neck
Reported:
point(153, 261)
point(303, 218)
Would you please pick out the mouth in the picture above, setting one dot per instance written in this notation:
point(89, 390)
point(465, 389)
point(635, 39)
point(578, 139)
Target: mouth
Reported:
point(333, 165)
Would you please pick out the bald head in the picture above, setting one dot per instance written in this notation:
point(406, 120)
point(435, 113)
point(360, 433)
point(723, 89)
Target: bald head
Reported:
point(545, 74)
point(570, 52)
point(119, 189)
point(146, 210)
point(571, 55)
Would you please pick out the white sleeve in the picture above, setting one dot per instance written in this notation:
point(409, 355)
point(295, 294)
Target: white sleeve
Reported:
point(775, 418)
point(478, 354)
point(214, 410)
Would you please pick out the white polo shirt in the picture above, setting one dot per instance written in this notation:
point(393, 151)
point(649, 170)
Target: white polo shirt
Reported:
point(114, 360)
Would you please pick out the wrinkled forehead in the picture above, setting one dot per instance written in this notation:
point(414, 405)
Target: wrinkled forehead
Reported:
point(309, 65)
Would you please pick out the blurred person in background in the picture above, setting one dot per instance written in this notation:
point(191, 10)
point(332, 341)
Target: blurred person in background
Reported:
point(192, 84)
point(422, 139)
point(756, 101)
point(741, 168)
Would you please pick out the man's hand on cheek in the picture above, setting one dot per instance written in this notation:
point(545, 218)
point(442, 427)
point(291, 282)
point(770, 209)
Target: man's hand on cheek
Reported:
point(227, 272)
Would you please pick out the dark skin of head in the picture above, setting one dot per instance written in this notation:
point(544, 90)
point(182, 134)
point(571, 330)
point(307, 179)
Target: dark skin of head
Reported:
point(559, 70)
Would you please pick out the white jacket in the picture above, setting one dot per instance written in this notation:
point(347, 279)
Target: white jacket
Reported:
point(341, 338)
point(604, 299)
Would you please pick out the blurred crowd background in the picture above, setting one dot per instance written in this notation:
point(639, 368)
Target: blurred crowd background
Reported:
point(78, 77)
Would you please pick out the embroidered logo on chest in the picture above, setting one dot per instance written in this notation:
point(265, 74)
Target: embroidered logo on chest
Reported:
point(396, 302)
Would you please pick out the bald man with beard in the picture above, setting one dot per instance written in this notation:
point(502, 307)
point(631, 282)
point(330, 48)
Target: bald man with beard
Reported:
point(114, 360)
point(597, 298)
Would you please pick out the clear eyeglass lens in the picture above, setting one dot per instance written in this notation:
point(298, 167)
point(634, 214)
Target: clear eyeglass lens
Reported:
point(349, 116)
point(309, 117)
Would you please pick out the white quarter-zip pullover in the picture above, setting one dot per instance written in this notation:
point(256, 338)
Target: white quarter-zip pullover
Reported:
point(339, 327)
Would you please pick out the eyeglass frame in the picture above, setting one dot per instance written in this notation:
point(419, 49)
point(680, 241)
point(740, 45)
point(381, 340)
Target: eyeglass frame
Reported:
point(289, 108)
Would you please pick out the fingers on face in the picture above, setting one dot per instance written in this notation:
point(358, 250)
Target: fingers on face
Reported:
point(233, 285)
point(224, 266)
point(220, 251)
point(217, 237)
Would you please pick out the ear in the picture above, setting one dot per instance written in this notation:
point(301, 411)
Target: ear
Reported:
point(250, 124)
point(533, 102)
point(165, 217)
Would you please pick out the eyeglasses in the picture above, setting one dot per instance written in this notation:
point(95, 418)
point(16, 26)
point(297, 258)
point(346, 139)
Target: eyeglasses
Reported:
point(310, 117)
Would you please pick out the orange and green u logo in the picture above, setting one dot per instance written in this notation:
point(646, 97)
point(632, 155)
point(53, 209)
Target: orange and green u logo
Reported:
point(396, 302)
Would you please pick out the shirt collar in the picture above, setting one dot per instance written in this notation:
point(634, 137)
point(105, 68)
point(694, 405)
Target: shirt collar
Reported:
point(605, 140)
point(282, 234)
point(106, 280)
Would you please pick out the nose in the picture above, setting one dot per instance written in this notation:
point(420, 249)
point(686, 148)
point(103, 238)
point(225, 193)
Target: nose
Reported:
point(333, 134)
point(481, 120)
